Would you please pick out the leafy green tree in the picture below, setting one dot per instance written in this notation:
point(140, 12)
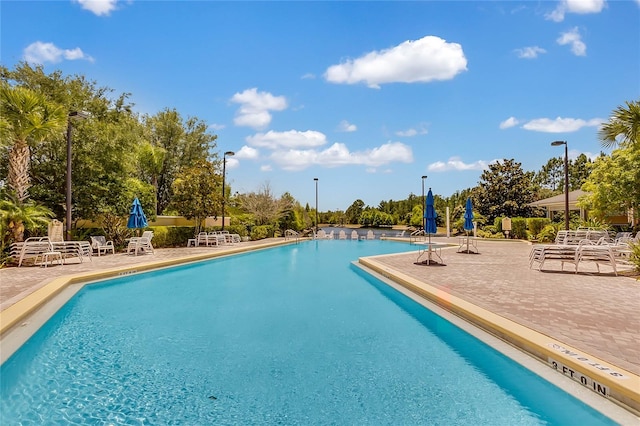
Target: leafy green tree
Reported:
point(292, 218)
point(551, 176)
point(184, 142)
point(504, 190)
point(265, 207)
point(623, 128)
point(197, 192)
point(28, 118)
point(103, 147)
point(614, 184)
point(579, 170)
point(354, 211)
point(417, 216)
point(150, 161)
point(375, 218)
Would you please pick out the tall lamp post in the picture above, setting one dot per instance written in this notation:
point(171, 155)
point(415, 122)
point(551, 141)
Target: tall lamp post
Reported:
point(73, 115)
point(423, 203)
point(566, 181)
point(224, 176)
point(316, 180)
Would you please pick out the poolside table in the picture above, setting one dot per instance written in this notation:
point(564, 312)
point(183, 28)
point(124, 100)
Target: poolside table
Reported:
point(431, 249)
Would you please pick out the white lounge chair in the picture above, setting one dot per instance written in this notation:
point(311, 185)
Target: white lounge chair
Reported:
point(370, 235)
point(34, 248)
point(217, 238)
point(79, 249)
point(141, 244)
point(100, 244)
point(321, 235)
point(354, 235)
point(342, 235)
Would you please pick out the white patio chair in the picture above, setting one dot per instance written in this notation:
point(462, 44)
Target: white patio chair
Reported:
point(100, 244)
point(141, 244)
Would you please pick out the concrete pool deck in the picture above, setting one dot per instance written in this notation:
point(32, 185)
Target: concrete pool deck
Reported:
point(594, 313)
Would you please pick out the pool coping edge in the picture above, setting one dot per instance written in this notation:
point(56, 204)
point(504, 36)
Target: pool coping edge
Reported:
point(623, 392)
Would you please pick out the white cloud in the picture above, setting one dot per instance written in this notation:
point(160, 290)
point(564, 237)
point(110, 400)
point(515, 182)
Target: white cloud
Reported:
point(530, 52)
point(561, 125)
point(40, 53)
point(581, 7)
point(247, 153)
point(232, 163)
point(574, 39)
point(288, 139)
point(455, 163)
point(345, 126)
point(266, 168)
point(339, 155)
point(310, 76)
point(509, 122)
point(99, 7)
point(421, 130)
point(215, 126)
point(574, 153)
point(255, 107)
point(427, 59)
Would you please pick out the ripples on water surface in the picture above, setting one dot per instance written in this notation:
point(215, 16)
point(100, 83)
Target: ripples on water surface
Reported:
point(290, 335)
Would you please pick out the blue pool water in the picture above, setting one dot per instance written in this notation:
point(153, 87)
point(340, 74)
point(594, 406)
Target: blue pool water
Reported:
point(293, 335)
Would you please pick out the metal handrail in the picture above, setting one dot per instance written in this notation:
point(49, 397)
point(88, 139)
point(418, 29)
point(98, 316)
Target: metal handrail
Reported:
point(290, 233)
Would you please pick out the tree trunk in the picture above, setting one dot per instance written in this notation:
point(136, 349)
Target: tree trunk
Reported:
point(18, 178)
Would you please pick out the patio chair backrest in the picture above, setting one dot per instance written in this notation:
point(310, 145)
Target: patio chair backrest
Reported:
point(98, 241)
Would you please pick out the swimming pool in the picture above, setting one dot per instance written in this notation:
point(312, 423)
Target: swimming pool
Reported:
point(290, 335)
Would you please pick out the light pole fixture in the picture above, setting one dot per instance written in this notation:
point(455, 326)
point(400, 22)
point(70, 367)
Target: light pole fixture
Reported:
point(73, 115)
point(224, 176)
point(423, 203)
point(316, 180)
point(566, 181)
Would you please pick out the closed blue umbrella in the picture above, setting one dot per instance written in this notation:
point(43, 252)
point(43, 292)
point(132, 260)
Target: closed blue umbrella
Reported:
point(468, 215)
point(468, 219)
point(137, 219)
point(430, 215)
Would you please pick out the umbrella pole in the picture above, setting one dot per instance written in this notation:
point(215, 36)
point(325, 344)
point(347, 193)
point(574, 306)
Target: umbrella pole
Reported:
point(467, 242)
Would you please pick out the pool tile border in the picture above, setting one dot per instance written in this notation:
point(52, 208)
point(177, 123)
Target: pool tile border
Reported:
point(622, 391)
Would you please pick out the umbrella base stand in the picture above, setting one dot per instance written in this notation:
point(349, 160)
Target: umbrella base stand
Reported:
point(468, 245)
point(433, 253)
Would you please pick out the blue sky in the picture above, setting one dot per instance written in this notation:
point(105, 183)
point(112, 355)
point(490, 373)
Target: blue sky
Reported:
point(365, 96)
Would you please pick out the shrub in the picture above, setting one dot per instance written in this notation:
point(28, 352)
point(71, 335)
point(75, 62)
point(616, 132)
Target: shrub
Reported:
point(535, 225)
point(518, 228)
point(261, 232)
point(548, 233)
point(171, 236)
point(497, 223)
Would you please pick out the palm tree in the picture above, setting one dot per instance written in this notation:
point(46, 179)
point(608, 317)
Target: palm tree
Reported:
point(27, 119)
point(624, 122)
point(16, 216)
